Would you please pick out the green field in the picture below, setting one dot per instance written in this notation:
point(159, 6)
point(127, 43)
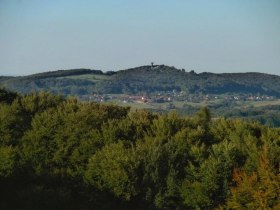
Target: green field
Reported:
point(181, 104)
point(265, 103)
point(90, 77)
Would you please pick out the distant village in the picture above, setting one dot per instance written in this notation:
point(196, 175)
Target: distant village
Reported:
point(172, 96)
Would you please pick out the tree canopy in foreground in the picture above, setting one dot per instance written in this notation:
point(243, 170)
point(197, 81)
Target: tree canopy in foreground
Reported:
point(58, 153)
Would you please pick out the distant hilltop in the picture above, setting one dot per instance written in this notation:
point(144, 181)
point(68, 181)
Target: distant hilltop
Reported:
point(148, 79)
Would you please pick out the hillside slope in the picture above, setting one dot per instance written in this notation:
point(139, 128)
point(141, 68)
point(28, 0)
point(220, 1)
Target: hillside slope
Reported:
point(144, 79)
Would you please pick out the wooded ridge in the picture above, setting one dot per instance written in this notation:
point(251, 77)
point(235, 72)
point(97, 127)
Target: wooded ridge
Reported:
point(146, 79)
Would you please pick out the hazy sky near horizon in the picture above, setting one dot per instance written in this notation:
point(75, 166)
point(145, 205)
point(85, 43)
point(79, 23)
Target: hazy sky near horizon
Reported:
point(204, 35)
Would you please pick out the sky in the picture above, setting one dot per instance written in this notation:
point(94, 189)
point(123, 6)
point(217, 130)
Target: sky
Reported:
point(202, 35)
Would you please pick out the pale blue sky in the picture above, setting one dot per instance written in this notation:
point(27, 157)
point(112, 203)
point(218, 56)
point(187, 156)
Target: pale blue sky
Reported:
point(204, 35)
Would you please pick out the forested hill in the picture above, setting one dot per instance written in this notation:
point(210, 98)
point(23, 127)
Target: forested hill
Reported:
point(144, 79)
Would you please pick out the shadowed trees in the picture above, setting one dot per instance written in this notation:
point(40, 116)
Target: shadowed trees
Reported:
point(58, 153)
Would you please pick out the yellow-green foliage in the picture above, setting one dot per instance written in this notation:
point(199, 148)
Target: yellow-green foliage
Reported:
point(58, 153)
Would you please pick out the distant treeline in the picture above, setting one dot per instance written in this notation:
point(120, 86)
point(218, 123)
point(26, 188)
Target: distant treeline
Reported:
point(147, 79)
point(58, 153)
point(65, 73)
point(268, 115)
